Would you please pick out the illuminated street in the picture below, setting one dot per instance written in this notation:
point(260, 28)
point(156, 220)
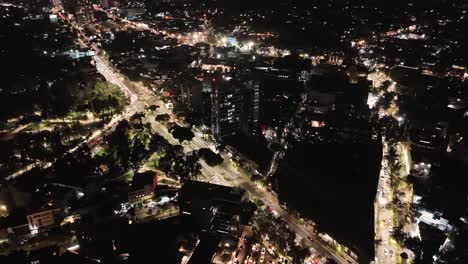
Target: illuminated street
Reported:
point(233, 132)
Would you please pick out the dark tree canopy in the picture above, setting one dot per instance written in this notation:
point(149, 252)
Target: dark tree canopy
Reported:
point(163, 117)
point(182, 133)
point(211, 158)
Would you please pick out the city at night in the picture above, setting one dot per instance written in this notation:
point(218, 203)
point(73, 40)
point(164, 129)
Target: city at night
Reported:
point(233, 132)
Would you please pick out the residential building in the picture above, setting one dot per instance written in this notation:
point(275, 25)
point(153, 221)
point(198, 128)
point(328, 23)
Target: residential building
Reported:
point(251, 107)
point(226, 108)
point(142, 187)
point(234, 107)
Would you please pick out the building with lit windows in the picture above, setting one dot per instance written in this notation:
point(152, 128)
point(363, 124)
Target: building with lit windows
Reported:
point(142, 188)
point(43, 219)
point(234, 107)
point(251, 107)
point(226, 108)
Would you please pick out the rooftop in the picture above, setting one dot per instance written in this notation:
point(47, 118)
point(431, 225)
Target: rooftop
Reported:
point(142, 179)
point(211, 191)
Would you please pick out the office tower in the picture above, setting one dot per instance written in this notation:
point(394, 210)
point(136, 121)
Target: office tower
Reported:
point(226, 108)
point(251, 106)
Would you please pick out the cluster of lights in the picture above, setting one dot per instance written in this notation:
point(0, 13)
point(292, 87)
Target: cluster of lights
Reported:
point(423, 168)
point(3, 210)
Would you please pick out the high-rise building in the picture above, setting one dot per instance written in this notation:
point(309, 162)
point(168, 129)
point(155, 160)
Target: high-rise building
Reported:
point(226, 108)
point(234, 107)
point(190, 93)
point(251, 106)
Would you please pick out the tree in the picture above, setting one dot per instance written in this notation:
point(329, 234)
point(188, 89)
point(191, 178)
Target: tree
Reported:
point(398, 234)
point(62, 98)
point(193, 165)
point(385, 85)
point(181, 169)
point(138, 152)
point(157, 143)
point(153, 107)
point(299, 254)
point(101, 97)
point(182, 133)
point(386, 100)
point(165, 164)
point(57, 146)
point(211, 158)
point(162, 117)
point(138, 117)
point(119, 143)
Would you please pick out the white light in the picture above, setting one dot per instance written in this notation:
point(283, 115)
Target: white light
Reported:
point(72, 248)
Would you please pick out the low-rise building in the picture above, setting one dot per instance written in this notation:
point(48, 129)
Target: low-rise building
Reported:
point(15, 225)
point(142, 187)
point(211, 208)
point(43, 219)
